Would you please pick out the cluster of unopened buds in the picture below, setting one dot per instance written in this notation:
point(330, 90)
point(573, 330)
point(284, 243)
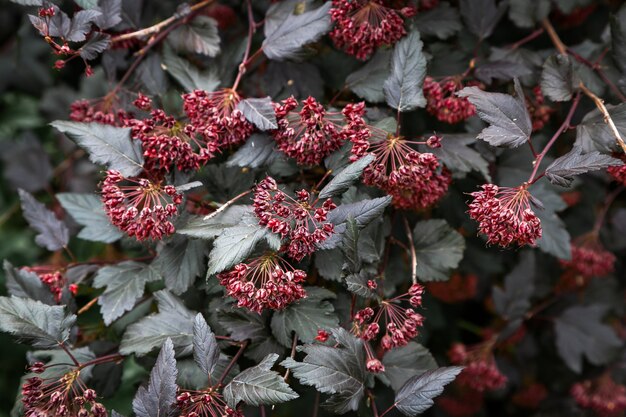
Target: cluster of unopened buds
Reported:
point(480, 372)
point(361, 26)
point(205, 403)
point(457, 289)
point(539, 111)
point(602, 395)
point(414, 180)
point(400, 324)
point(505, 215)
point(168, 143)
point(266, 282)
point(54, 280)
point(100, 111)
point(311, 133)
point(216, 118)
point(61, 396)
point(143, 209)
point(442, 102)
point(589, 258)
point(301, 220)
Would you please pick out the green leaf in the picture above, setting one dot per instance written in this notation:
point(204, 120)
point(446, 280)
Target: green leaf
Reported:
point(405, 362)
point(481, 16)
point(291, 34)
point(26, 284)
point(200, 36)
point(593, 134)
point(526, 14)
point(259, 150)
point(107, 145)
point(555, 239)
point(180, 262)
point(188, 76)
point(345, 178)
point(206, 352)
point(581, 333)
point(259, 112)
point(87, 4)
point(443, 21)
point(438, 247)
point(508, 117)
point(173, 321)
point(52, 233)
point(210, 229)
point(259, 385)
point(159, 398)
point(403, 89)
point(40, 325)
point(88, 211)
point(305, 317)
point(236, 243)
point(338, 371)
point(416, 396)
point(124, 283)
point(456, 155)
point(558, 78)
point(367, 82)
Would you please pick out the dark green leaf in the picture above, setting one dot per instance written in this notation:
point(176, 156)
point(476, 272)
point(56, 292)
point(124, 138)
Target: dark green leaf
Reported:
point(555, 239)
point(367, 82)
point(111, 13)
point(97, 43)
point(618, 38)
point(509, 121)
point(500, 70)
point(200, 37)
point(180, 262)
point(405, 362)
point(188, 76)
point(107, 145)
point(416, 396)
point(52, 233)
point(159, 398)
point(558, 79)
point(88, 211)
point(442, 21)
point(291, 34)
point(305, 317)
point(213, 227)
point(438, 247)
point(593, 134)
point(457, 156)
point(513, 301)
point(481, 16)
point(580, 332)
point(40, 325)
point(124, 283)
point(403, 89)
point(526, 14)
point(259, 150)
point(26, 284)
point(259, 385)
point(562, 170)
point(345, 178)
point(173, 321)
point(338, 371)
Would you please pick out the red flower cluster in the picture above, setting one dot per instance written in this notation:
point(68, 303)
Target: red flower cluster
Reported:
point(143, 209)
point(618, 172)
point(530, 396)
point(505, 216)
point(98, 112)
point(361, 26)
point(443, 103)
point(602, 395)
point(168, 143)
point(56, 281)
point(267, 282)
point(298, 220)
point(480, 371)
point(312, 133)
point(205, 403)
point(401, 324)
point(414, 180)
point(589, 258)
point(457, 289)
point(216, 118)
point(59, 396)
point(539, 111)
point(322, 335)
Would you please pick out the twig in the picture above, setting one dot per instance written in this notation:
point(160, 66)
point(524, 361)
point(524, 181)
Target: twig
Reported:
point(226, 205)
point(605, 209)
point(554, 37)
point(409, 236)
point(159, 26)
point(605, 112)
point(232, 363)
point(87, 306)
point(246, 56)
point(294, 343)
point(372, 403)
point(66, 350)
point(526, 39)
point(316, 404)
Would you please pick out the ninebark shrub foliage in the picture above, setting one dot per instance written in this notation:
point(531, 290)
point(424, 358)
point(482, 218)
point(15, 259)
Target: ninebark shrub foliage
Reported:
point(364, 207)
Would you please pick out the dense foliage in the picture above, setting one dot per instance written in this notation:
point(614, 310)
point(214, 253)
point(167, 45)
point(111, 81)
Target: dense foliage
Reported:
point(372, 207)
